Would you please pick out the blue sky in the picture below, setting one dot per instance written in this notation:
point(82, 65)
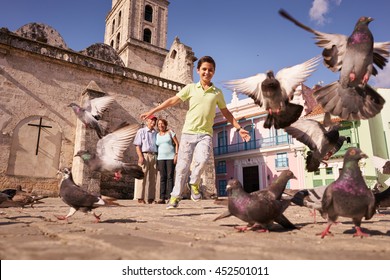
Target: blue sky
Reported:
point(244, 37)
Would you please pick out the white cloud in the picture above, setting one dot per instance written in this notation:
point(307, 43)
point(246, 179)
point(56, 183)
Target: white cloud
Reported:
point(382, 80)
point(319, 9)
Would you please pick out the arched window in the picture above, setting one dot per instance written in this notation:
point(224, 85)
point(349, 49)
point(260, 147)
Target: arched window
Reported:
point(148, 13)
point(113, 27)
point(147, 35)
point(112, 43)
point(119, 18)
point(173, 54)
point(118, 39)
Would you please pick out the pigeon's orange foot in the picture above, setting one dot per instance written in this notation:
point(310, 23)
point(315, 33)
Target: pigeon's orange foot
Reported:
point(242, 228)
point(59, 217)
point(117, 176)
point(326, 232)
point(360, 233)
point(97, 217)
point(365, 79)
point(352, 76)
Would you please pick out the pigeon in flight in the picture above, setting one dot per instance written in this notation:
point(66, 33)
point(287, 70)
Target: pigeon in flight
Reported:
point(92, 112)
point(356, 56)
point(276, 91)
point(109, 153)
point(79, 199)
point(259, 209)
point(349, 195)
point(321, 142)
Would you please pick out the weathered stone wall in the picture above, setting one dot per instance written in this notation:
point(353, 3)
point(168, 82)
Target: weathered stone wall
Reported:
point(41, 80)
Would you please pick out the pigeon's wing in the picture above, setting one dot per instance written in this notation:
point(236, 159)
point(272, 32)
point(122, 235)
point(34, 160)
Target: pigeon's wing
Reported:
point(250, 86)
point(383, 165)
point(98, 105)
point(75, 196)
point(113, 145)
point(309, 132)
point(381, 52)
point(291, 77)
point(334, 45)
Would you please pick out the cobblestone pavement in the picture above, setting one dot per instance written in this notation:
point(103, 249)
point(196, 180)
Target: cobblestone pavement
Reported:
point(142, 231)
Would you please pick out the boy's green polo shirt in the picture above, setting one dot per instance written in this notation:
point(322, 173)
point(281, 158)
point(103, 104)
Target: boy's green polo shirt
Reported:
point(202, 107)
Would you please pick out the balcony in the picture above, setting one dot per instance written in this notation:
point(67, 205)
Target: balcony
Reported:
point(253, 145)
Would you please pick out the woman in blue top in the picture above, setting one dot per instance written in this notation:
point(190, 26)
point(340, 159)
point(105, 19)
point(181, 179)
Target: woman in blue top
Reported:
point(168, 147)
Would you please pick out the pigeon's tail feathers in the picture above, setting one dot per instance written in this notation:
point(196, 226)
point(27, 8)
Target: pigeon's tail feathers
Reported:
point(268, 121)
point(284, 222)
point(312, 163)
point(224, 215)
point(350, 103)
point(299, 198)
point(287, 117)
point(109, 201)
point(133, 170)
point(99, 202)
point(100, 130)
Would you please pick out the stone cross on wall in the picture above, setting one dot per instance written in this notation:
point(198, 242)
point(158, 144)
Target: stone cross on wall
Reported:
point(40, 126)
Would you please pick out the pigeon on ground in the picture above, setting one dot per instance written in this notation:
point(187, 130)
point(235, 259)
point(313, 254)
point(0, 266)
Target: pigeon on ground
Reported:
point(277, 91)
point(322, 143)
point(79, 199)
point(310, 198)
point(383, 166)
point(109, 153)
point(259, 209)
point(92, 112)
point(382, 198)
point(350, 98)
point(21, 198)
point(349, 195)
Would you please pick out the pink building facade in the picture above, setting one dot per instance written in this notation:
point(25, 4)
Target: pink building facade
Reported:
point(256, 163)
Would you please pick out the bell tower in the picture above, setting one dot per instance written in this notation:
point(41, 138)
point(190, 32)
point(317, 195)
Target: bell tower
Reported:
point(137, 30)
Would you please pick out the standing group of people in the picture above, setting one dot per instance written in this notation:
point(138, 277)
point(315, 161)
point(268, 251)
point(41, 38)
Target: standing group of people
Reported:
point(195, 143)
point(157, 154)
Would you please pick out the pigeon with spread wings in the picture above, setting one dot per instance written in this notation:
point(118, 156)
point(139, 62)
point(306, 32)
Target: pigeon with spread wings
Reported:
point(92, 111)
point(356, 56)
point(321, 142)
point(109, 153)
point(275, 92)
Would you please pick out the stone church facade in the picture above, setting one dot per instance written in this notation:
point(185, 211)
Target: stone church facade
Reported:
point(40, 76)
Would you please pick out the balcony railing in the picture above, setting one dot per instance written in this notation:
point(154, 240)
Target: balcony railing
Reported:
point(253, 144)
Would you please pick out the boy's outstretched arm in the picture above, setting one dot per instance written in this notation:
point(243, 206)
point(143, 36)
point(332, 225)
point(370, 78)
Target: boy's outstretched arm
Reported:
point(166, 104)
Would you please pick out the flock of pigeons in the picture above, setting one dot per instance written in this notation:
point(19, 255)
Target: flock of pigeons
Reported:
point(350, 98)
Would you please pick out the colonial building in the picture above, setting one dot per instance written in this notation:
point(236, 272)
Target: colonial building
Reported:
point(270, 151)
point(40, 76)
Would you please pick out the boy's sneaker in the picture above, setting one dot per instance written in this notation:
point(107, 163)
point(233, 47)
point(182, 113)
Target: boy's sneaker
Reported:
point(173, 203)
point(195, 193)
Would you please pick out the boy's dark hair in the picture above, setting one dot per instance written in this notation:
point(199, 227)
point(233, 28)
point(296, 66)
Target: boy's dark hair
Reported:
point(206, 58)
